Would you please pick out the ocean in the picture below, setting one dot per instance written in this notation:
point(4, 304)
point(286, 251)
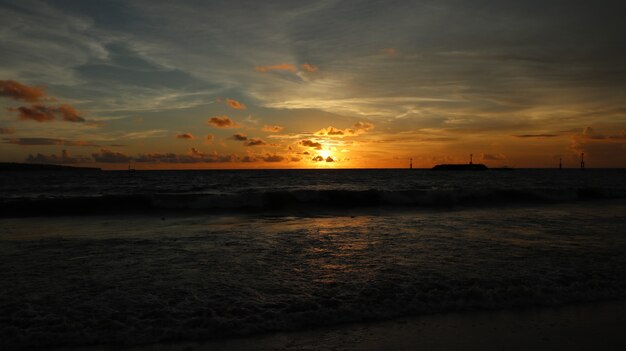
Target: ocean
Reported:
point(121, 258)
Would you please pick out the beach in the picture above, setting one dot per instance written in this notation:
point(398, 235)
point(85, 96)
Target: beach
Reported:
point(591, 326)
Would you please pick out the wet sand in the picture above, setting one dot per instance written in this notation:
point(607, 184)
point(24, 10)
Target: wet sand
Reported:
point(593, 326)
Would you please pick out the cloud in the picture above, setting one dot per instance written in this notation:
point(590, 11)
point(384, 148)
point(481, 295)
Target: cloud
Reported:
point(317, 158)
point(69, 113)
point(278, 67)
point(272, 129)
point(222, 122)
point(536, 136)
point(600, 149)
point(309, 68)
point(357, 129)
point(329, 159)
point(235, 104)
point(42, 113)
point(310, 143)
point(185, 136)
point(48, 141)
point(39, 113)
point(194, 156)
point(210, 138)
point(7, 130)
point(239, 137)
point(64, 158)
point(493, 157)
point(108, 156)
point(254, 142)
point(19, 91)
point(273, 158)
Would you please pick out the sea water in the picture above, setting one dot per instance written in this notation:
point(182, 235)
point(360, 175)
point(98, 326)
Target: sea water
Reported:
point(124, 258)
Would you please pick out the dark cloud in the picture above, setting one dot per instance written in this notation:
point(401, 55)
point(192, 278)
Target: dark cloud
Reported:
point(317, 158)
point(64, 158)
point(272, 129)
point(222, 122)
point(273, 158)
point(7, 130)
point(48, 141)
point(39, 113)
point(310, 143)
point(254, 142)
point(329, 159)
point(357, 129)
point(108, 156)
point(536, 135)
point(184, 136)
point(239, 137)
point(42, 113)
point(19, 91)
point(194, 156)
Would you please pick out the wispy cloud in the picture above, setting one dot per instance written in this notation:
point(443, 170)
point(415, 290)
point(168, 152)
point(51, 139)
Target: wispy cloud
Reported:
point(47, 141)
point(278, 67)
point(184, 136)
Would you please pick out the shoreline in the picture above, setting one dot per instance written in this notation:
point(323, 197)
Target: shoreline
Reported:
point(584, 326)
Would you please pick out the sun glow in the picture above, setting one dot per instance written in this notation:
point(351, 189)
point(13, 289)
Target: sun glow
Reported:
point(325, 153)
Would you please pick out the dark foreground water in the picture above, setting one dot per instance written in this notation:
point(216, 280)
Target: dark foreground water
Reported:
point(108, 258)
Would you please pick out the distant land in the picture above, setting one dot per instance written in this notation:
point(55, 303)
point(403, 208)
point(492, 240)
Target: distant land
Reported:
point(12, 166)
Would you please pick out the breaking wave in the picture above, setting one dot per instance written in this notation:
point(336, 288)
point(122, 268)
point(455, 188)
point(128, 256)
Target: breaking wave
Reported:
point(299, 200)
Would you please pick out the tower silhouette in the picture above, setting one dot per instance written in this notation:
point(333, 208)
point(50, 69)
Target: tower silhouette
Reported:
point(582, 160)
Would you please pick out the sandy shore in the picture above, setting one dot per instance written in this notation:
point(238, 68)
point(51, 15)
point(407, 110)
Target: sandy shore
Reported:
point(595, 326)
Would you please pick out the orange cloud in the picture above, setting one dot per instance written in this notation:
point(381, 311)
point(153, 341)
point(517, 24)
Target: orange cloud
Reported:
point(210, 138)
point(7, 130)
point(185, 136)
point(272, 129)
point(311, 143)
point(279, 67)
point(235, 104)
point(309, 68)
point(222, 122)
point(69, 113)
point(358, 128)
point(19, 91)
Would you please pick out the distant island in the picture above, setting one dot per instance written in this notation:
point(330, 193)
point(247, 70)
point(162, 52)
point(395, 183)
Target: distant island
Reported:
point(12, 166)
point(471, 166)
point(460, 167)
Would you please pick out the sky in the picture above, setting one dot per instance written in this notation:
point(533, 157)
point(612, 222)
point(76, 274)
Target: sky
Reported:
point(312, 84)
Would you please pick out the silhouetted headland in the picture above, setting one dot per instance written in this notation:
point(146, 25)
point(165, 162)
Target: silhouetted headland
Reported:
point(11, 166)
